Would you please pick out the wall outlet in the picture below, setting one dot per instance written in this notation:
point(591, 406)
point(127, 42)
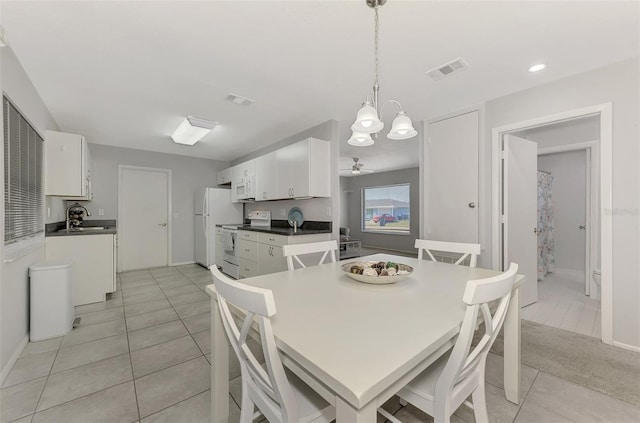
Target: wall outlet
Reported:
point(283, 212)
point(100, 212)
point(48, 211)
point(328, 211)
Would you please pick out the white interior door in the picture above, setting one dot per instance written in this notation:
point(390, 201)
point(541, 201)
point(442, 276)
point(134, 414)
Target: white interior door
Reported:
point(143, 225)
point(452, 179)
point(520, 205)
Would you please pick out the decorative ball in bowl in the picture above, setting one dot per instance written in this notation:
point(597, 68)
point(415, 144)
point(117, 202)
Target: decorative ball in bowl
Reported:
point(377, 272)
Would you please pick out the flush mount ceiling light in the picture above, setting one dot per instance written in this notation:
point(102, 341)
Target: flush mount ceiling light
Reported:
point(537, 68)
point(191, 130)
point(368, 118)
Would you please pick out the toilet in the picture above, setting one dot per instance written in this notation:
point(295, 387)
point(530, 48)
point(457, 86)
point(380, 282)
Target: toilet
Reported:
point(597, 277)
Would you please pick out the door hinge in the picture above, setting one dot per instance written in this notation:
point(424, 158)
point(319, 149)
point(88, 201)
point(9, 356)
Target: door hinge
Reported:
point(502, 219)
point(502, 155)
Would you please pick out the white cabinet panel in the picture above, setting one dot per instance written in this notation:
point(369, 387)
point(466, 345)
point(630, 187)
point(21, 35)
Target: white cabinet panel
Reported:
point(223, 177)
point(270, 259)
point(452, 178)
point(304, 169)
point(260, 253)
point(247, 268)
point(248, 250)
point(67, 166)
point(266, 178)
point(93, 264)
point(219, 247)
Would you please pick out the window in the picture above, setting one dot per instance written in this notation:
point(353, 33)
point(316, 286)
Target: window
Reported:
point(386, 209)
point(23, 168)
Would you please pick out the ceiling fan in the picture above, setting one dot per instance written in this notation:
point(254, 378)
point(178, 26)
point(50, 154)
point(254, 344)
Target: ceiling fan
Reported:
point(357, 168)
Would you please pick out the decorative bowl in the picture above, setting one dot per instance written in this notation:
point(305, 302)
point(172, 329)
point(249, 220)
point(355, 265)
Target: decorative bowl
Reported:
point(377, 280)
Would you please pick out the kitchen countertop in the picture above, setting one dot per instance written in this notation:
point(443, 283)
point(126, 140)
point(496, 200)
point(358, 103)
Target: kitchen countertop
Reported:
point(59, 228)
point(281, 227)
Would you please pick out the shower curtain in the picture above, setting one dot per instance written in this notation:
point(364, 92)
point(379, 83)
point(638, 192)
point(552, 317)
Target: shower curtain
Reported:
point(545, 225)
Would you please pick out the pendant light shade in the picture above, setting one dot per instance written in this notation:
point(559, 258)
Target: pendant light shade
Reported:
point(367, 120)
point(360, 140)
point(402, 128)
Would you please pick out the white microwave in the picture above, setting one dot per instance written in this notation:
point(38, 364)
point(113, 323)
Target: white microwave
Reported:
point(245, 188)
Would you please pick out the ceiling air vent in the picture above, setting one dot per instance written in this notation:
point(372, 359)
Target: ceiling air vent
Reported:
point(447, 69)
point(238, 99)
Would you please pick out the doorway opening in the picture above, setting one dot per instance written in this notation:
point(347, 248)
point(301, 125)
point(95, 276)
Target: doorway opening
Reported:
point(567, 225)
point(570, 135)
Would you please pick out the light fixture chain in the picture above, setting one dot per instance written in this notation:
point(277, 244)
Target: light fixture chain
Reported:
point(375, 48)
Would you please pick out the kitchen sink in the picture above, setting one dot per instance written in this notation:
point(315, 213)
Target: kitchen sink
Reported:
point(84, 229)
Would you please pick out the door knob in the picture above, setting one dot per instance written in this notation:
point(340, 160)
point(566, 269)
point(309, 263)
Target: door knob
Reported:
point(472, 205)
point(162, 224)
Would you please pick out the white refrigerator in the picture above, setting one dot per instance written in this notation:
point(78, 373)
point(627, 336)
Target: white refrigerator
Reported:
point(212, 206)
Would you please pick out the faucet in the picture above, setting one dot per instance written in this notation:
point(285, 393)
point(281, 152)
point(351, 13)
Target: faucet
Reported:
point(75, 205)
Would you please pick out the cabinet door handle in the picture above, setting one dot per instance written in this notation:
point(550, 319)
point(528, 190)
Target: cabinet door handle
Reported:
point(162, 224)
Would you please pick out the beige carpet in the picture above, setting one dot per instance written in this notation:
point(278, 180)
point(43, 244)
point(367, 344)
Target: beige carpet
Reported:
point(580, 359)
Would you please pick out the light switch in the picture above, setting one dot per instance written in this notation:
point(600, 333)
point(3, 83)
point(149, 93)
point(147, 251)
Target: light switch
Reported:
point(328, 211)
point(48, 211)
point(283, 212)
point(100, 212)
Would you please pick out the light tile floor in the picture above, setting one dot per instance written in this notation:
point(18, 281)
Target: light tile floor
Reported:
point(563, 304)
point(144, 355)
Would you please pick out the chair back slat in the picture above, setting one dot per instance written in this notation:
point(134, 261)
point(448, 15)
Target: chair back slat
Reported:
point(292, 252)
point(471, 251)
point(464, 361)
point(270, 389)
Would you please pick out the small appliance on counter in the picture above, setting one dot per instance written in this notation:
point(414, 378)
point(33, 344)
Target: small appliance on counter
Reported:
point(260, 219)
point(75, 214)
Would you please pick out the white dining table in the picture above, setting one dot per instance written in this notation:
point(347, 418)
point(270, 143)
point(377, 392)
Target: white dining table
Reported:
point(357, 344)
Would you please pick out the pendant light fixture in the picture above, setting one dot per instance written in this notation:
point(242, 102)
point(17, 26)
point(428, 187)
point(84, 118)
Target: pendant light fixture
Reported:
point(368, 118)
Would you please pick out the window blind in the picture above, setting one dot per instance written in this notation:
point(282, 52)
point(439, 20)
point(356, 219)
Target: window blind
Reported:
point(23, 171)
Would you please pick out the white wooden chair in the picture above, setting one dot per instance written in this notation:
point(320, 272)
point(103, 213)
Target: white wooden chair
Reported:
point(467, 250)
point(280, 396)
point(291, 252)
point(447, 383)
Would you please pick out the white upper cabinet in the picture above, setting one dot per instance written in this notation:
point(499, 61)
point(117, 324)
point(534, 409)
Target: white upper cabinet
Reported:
point(67, 166)
point(299, 170)
point(266, 178)
point(223, 177)
point(304, 169)
point(243, 170)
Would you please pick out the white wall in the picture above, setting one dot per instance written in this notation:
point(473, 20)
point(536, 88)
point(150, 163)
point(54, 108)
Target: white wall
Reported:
point(14, 285)
point(617, 83)
point(188, 175)
point(318, 209)
point(568, 194)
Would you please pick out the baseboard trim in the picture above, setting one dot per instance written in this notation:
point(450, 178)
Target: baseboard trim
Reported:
point(13, 359)
point(182, 263)
point(626, 346)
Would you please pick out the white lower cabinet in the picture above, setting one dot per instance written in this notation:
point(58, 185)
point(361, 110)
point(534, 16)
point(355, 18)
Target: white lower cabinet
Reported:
point(270, 259)
point(248, 256)
point(93, 264)
point(260, 253)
